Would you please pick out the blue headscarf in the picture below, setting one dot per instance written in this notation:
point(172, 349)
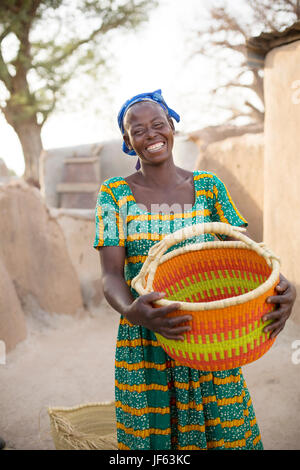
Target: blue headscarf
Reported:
point(155, 97)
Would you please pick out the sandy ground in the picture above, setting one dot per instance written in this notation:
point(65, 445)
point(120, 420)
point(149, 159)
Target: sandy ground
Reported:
point(67, 362)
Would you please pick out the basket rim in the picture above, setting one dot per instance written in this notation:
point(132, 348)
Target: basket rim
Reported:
point(271, 260)
point(78, 407)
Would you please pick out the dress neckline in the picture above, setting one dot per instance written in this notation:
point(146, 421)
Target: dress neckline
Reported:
point(164, 213)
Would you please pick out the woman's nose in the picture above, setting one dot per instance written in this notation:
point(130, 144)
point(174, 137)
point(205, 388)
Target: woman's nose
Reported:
point(151, 132)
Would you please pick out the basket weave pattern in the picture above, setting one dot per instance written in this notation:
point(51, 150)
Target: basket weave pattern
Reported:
point(210, 277)
point(91, 426)
point(224, 287)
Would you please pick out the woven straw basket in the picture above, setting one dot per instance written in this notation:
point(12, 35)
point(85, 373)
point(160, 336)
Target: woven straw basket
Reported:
point(223, 285)
point(85, 427)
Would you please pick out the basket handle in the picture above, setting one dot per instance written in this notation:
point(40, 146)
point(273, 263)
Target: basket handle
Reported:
point(158, 250)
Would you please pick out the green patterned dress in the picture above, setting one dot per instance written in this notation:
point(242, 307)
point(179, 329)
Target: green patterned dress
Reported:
point(161, 405)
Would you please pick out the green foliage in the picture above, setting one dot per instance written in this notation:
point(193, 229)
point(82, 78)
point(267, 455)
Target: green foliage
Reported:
point(46, 43)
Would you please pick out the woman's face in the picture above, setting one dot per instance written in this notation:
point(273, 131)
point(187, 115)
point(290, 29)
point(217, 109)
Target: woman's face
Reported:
point(149, 132)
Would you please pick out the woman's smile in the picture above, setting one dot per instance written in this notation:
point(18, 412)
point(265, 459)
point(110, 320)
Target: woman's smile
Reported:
point(153, 148)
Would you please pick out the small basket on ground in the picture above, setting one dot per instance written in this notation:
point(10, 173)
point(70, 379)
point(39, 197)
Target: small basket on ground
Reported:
point(223, 285)
point(85, 427)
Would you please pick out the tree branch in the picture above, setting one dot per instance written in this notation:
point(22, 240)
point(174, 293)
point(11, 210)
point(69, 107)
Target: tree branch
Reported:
point(5, 76)
point(4, 33)
point(107, 25)
point(255, 110)
point(266, 14)
point(226, 44)
point(47, 113)
point(229, 22)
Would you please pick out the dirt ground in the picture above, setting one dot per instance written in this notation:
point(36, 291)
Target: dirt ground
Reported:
point(67, 362)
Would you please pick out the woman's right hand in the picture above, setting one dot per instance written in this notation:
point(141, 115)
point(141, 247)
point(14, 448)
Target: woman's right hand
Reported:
point(141, 312)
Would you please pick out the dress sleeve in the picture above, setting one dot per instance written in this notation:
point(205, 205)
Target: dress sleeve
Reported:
point(109, 223)
point(224, 209)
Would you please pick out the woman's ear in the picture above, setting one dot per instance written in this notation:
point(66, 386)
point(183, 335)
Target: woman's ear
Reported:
point(171, 124)
point(127, 141)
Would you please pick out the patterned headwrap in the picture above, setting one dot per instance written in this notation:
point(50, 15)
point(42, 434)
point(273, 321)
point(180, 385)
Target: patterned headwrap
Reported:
point(155, 97)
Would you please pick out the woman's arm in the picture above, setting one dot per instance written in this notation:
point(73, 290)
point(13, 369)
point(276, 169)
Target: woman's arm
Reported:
point(138, 311)
point(116, 291)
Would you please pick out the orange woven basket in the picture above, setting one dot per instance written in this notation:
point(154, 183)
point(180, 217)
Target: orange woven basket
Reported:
point(223, 285)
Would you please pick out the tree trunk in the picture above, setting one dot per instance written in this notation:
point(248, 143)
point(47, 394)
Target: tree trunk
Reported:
point(29, 133)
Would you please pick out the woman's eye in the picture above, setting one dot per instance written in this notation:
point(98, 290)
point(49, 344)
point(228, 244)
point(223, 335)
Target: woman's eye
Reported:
point(139, 132)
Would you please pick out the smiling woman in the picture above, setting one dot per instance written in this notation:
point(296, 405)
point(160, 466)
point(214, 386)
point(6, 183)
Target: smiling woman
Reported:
point(160, 120)
point(161, 404)
point(148, 131)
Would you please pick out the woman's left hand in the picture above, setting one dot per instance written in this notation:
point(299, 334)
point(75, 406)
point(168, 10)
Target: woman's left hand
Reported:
point(285, 301)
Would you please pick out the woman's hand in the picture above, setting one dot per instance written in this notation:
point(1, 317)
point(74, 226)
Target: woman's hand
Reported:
point(141, 312)
point(285, 301)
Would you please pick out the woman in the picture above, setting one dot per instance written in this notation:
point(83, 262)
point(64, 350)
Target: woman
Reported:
point(159, 403)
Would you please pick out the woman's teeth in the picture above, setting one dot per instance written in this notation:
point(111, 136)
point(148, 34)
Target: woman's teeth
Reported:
point(155, 147)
